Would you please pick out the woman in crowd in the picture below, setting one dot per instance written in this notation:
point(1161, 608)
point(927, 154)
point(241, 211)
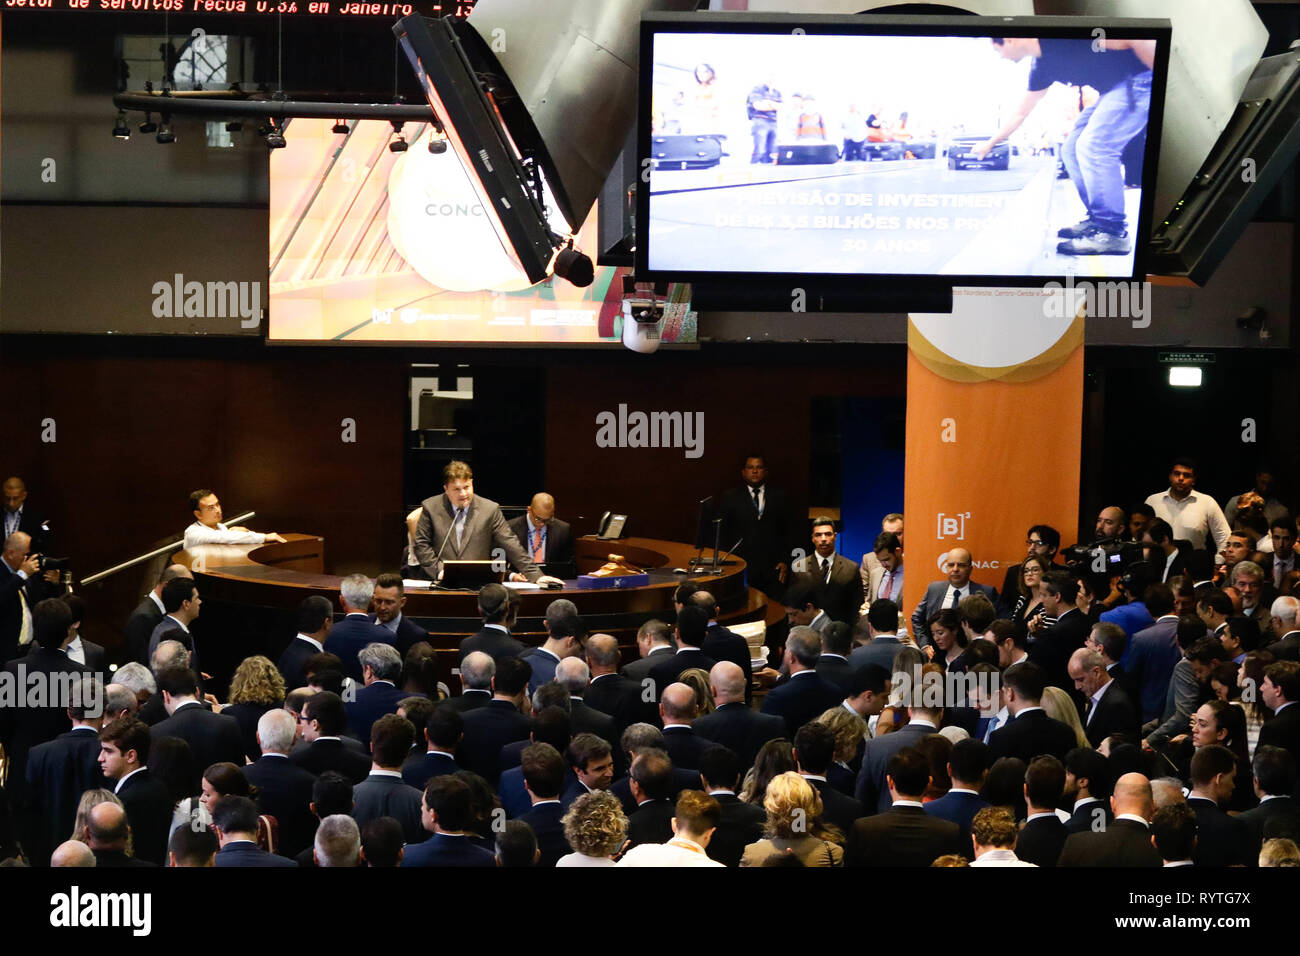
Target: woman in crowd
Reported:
point(937, 749)
point(1251, 675)
point(256, 688)
point(1058, 705)
point(596, 829)
point(850, 732)
point(697, 680)
point(1029, 602)
point(794, 825)
point(774, 758)
point(949, 640)
point(908, 663)
point(420, 671)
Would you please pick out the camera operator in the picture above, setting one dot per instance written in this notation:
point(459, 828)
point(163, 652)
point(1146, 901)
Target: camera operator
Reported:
point(1132, 616)
point(22, 587)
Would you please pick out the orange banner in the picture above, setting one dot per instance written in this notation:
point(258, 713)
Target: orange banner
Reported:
point(994, 427)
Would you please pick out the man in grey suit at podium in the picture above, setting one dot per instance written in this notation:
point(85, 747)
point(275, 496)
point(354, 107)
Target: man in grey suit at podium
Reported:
point(457, 525)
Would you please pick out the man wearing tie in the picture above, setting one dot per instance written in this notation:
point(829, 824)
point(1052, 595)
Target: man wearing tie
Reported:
point(882, 577)
point(544, 536)
point(948, 594)
point(1283, 560)
point(758, 515)
point(841, 578)
point(456, 525)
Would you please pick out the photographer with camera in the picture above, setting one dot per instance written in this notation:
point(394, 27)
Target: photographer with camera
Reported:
point(26, 579)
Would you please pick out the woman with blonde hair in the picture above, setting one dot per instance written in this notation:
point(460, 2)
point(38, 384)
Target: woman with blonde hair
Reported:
point(794, 825)
point(1058, 705)
point(697, 679)
point(850, 732)
point(256, 688)
point(596, 828)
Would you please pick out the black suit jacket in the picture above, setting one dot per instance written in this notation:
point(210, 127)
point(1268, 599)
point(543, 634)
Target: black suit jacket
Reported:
point(1116, 714)
point(22, 728)
point(1283, 731)
point(380, 795)
point(722, 644)
point(96, 658)
point(487, 730)
point(59, 771)
point(408, 634)
point(149, 812)
point(764, 541)
point(741, 824)
point(419, 769)
point(1287, 648)
point(902, 836)
point(545, 819)
point(837, 809)
point(801, 699)
point(293, 662)
point(33, 523)
point(494, 642)
point(740, 729)
point(247, 715)
point(669, 669)
point(350, 635)
point(586, 719)
point(378, 700)
point(1279, 817)
point(559, 558)
point(470, 700)
point(212, 737)
point(116, 858)
point(1032, 733)
point(11, 611)
point(651, 822)
point(843, 592)
point(684, 746)
point(322, 755)
point(1085, 818)
point(1055, 644)
point(139, 628)
point(284, 792)
point(1041, 840)
point(835, 670)
point(249, 854)
point(640, 668)
point(1122, 843)
point(1221, 840)
point(620, 697)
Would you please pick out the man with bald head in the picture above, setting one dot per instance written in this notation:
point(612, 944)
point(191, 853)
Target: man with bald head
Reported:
point(948, 593)
point(20, 516)
point(544, 536)
point(149, 613)
point(732, 724)
point(1109, 709)
point(611, 692)
point(677, 708)
point(1112, 522)
point(107, 834)
point(72, 853)
point(1125, 841)
point(22, 587)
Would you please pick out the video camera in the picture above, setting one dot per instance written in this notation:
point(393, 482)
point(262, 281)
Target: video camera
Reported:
point(48, 563)
point(1106, 556)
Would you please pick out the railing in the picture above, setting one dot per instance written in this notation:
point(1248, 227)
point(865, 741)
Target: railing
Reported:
point(149, 555)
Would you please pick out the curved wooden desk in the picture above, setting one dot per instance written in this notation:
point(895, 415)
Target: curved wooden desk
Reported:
point(254, 590)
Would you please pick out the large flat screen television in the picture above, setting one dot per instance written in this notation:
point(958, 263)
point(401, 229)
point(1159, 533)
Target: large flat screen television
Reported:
point(937, 150)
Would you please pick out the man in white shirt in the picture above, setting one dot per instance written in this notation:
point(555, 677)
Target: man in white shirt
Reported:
point(696, 819)
point(993, 834)
point(1194, 517)
point(208, 529)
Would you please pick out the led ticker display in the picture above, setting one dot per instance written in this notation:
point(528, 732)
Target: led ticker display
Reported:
point(307, 8)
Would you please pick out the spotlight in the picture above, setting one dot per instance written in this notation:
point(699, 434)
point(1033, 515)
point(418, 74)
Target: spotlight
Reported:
point(165, 134)
point(120, 129)
point(148, 126)
point(340, 128)
point(437, 145)
point(575, 266)
point(275, 138)
point(398, 145)
point(234, 126)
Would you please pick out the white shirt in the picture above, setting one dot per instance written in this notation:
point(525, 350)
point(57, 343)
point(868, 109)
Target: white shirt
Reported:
point(158, 601)
point(1000, 858)
point(75, 651)
point(198, 533)
point(966, 591)
point(1135, 818)
point(118, 788)
point(1193, 518)
point(1169, 563)
point(678, 851)
point(1096, 697)
point(311, 640)
point(581, 859)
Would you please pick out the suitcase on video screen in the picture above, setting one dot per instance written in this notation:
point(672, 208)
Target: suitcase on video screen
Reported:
point(686, 152)
point(803, 154)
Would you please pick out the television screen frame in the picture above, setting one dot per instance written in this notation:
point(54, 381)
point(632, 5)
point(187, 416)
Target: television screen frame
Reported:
point(863, 286)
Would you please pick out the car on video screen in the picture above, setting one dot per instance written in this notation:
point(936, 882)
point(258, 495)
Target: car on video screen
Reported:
point(961, 154)
point(811, 151)
point(872, 152)
point(919, 149)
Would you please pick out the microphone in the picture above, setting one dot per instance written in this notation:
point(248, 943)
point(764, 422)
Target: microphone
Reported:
point(725, 554)
point(445, 537)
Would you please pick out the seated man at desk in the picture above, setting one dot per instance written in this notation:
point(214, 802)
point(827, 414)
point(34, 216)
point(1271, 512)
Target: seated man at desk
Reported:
point(544, 536)
point(208, 529)
point(457, 525)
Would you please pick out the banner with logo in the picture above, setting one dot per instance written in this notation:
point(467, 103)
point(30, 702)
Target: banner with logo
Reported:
point(994, 426)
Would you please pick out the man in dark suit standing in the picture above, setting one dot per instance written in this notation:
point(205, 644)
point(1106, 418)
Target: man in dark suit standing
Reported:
point(22, 587)
point(692, 628)
point(591, 764)
point(214, 738)
point(348, 636)
point(573, 675)
point(234, 819)
point(760, 517)
point(457, 525)
point(447, 814)
point(905, 835)
point(1088, 782)
point(381, 668)
point(22, 517)
point(1030, 732)
point(720, 643)
point(654, 642)
point(322, 723)
point(140, 625)
point(388, 600)
point(1275, 781)
point(652, 791)
point(833, 665)
point(677, 708)
point(476, 673)
point(315, 619)
point(182, 602)
point(805, 695)
point(499, 607)
point(967, 766)
point(948, 594)
point(609, 691)
point(1280, 691)
point(841, 579)
point(1109, 709)
point(284, 790)
point(872, 789)
point(383, 793)
point(107, 834)
point(882, 626)
point(497, 723)
point(442, 734)
point(79, 649)
point(543, 769)
point(565, 633)
point(732, 724)
point(1126, 841)
point(1043, 835)
point(547, 539)
point(1221, 840)
point(124, 758)
point(1056, 643)
point(814, 749)
point(1151, 655)
point(741, 823)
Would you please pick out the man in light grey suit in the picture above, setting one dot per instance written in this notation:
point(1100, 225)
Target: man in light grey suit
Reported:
point(457, 525)
point(841, 578)
point(943, 594)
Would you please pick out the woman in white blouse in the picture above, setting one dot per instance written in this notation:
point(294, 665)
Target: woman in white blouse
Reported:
point(596, 828)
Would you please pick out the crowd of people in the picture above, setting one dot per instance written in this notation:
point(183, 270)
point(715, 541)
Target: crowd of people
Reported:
point(1079, 718)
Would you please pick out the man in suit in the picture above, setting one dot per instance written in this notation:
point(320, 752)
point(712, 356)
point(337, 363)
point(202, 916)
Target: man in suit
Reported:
point(803, 602)
point(1087, 789)
point(654, 642)
point(499, 607)
point(388, 599)
point(550, 725)
point(457, 525)
point(182, 604)
point(124, 758)
point(22, 587)
point(1109, 709)
point(760, 517)
point(1275, 782)
point(720, 643)
point(234, 819)
point(547, 539)
point(740, 823)
point(1030, 731)
point(609, 691)
point(652, 789)
point(497, 723)
point(1280, 691)
point(833, 665)
point(1126, 841)
point(882, 570)
point(383, 793)
point(690, 631)
point(591, 762)
point(814, 749)
point(543, 769)
point(79, 649)
point(1282, 617)
point(107, 834)
point(945, 594)
point(213, 738)
point(968, 764)
point(732, 724)
point(841, 578)
point(140, 625)
point(1256, 596)
point(476, 673)
point(315, 619)
point(283, 788)
point(1043, 835)
point(321, 724)
point(677, 709)
point(872, 789)
point(882, 627)
point(447, 813)
point(573, 675)
point(564, 637)
point(1214, 607)
point(348, 636)
point(904, 835)
point(59, 771)
point(1109, 640)
point(442, 735)
point(22, 517)
point(805, 695)
point(381, 668)
point(1150, 656)
point(1221, 840)
point(1057, 642)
